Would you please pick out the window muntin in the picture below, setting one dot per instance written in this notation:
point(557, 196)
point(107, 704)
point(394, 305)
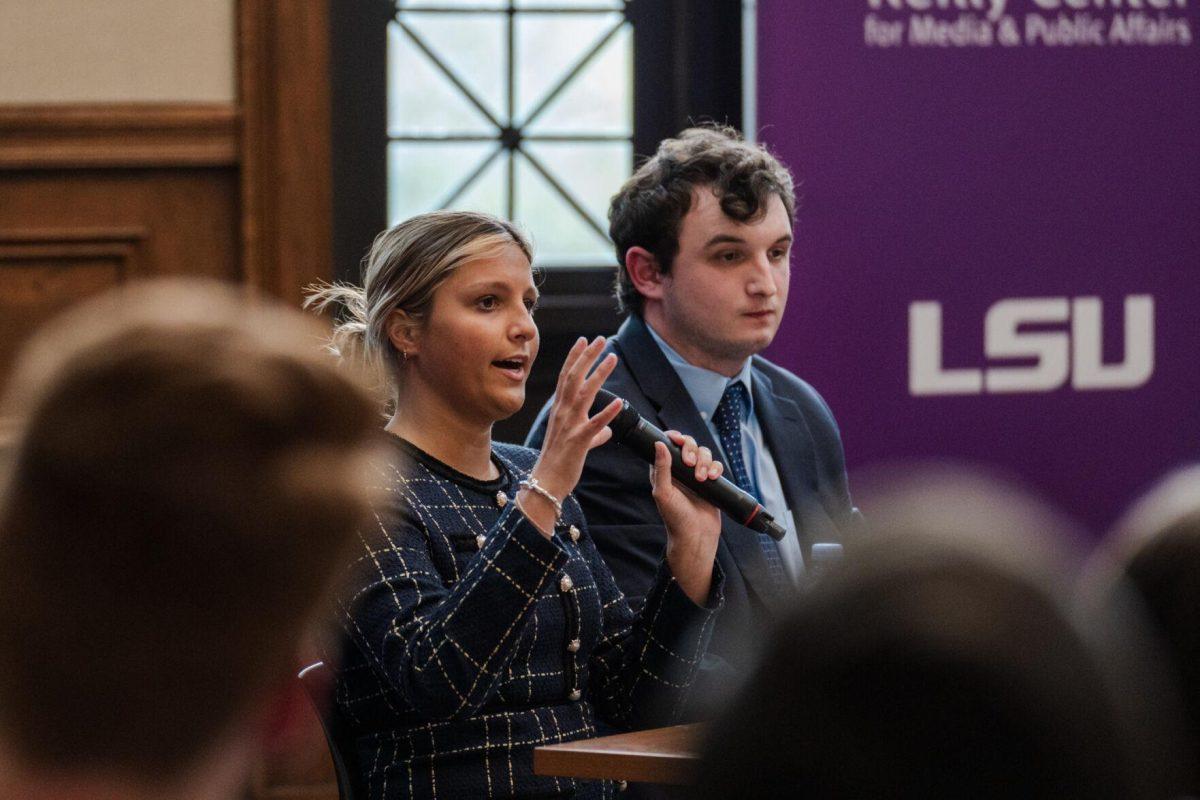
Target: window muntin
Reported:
point(520, 108)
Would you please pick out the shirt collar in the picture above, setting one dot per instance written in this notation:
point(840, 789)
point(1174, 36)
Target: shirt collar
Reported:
point(705, 386)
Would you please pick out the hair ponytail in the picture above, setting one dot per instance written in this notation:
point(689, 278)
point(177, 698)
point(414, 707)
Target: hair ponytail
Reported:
point(348, 340)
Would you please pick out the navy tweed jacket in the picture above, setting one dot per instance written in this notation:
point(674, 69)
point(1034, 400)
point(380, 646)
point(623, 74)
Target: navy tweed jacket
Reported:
point(470, 638)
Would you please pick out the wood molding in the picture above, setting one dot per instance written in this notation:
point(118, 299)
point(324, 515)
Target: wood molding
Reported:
point(59, 136)
point(124, 246)
point(287, 177)
point(45, 270)
point(16, 236)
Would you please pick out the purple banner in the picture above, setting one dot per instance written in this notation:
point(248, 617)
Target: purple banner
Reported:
point(999, 236)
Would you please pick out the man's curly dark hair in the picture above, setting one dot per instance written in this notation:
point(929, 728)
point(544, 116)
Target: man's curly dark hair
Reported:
point(649, 209)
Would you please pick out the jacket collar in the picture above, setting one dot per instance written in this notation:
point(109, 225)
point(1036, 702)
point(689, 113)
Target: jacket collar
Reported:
point(706, 387)
point(790, 442)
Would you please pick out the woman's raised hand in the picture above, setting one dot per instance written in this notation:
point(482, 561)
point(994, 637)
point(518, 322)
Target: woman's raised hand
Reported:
point(570, 431)
point(693, 525)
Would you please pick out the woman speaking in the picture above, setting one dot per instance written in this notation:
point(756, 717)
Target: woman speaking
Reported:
point(479, 621)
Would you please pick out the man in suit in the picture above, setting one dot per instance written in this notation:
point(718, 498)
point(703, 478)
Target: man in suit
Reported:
point(703, 231)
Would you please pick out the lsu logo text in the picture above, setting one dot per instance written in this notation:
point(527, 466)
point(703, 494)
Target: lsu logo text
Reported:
point(1057, 355)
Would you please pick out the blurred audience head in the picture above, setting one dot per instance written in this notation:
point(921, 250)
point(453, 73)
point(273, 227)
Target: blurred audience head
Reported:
point(186, 472)
point(1154, 553)
point(406, 265)
point(7, 436)
point(944, 657)
point(649, 208)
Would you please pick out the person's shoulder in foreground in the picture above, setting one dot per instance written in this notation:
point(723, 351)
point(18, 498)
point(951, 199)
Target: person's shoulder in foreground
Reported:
point(1154, 552)
point(187, 468)
point(947, 655)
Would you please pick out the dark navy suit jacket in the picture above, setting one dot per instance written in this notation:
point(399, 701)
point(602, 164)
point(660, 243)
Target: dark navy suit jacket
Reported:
point(802, 437)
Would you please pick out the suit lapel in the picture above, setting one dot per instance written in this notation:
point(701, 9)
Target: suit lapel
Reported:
point(790, 441)
point(660, 383)
point(675, 410)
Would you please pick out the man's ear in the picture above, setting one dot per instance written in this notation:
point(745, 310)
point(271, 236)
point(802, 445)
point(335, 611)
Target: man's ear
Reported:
point(402, 332)
point(642, 268)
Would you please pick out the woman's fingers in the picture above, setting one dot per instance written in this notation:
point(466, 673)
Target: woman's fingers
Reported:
point(598, 423)
point(583, 365)
point(600, 438)
point(577, 369)
point(570, 432)
point(587, 392)
point(576, 397)
point(568, 363)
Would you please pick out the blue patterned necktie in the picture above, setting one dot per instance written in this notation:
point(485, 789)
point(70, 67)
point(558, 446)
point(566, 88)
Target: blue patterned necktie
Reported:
point(728, 420)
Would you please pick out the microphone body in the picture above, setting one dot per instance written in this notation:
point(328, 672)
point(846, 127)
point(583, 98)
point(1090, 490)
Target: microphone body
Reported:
point(632, 430)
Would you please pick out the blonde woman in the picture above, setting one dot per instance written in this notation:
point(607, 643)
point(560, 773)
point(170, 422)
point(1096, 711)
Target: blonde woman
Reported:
point(479, 620)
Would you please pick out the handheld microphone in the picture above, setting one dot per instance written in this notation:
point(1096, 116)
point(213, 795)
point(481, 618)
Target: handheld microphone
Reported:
point(632, 430)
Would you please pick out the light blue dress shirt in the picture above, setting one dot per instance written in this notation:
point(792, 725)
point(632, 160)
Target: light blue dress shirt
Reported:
point(706, 389)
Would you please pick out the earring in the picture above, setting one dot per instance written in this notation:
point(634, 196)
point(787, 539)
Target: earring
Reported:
point(404, 354)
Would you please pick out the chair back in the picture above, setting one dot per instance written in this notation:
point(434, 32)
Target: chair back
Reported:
point(317, 680)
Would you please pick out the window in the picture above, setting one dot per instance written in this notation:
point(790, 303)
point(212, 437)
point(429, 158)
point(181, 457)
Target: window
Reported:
point(522, 109)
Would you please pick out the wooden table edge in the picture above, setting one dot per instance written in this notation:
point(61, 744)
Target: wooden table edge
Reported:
point(606, 759)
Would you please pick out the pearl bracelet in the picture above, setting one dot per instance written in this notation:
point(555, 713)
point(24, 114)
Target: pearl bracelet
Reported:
point(532, 485)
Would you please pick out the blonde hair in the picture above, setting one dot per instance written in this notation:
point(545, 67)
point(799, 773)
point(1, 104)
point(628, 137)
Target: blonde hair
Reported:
point(407, 264)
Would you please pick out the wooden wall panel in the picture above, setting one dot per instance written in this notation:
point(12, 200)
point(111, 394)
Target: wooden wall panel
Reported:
point(44, 271)
point(69, 233)
point(287, 191)
point(287, 213)
point(187, 219)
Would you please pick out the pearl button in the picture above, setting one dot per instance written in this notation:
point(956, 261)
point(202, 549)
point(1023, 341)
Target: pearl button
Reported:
point(574, 533)
point(501, 499)
point(565, 584)
point(573, 646)
point(574, 695)
point(480, 541)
